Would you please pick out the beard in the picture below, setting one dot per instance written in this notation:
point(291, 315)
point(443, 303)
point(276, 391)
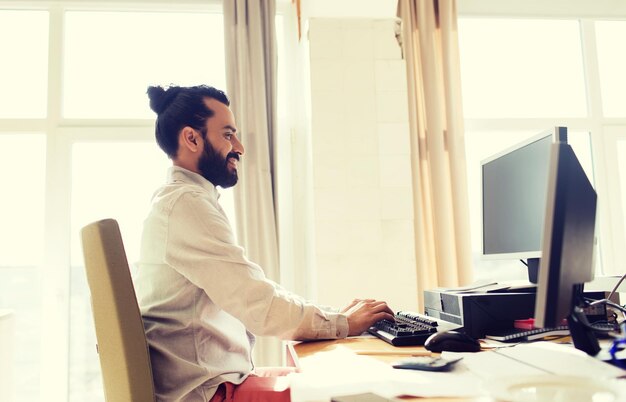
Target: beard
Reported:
point(214, 167)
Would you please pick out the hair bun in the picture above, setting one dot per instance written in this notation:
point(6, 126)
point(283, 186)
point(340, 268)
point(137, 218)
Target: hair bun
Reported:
point(160, 98)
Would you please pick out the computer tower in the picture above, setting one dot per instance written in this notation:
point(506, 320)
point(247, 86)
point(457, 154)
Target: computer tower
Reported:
point(478, 313)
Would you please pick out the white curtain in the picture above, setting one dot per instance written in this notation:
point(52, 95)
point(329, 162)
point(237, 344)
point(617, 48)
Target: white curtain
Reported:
point(250, 44)
point(429, 38)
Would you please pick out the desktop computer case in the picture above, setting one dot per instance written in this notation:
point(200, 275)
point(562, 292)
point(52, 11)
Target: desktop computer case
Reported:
point(479, 313)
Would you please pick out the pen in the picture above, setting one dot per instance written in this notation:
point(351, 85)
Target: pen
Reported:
point(393, 352)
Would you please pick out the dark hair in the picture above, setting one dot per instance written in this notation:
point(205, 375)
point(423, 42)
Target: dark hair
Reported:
point(177, 107)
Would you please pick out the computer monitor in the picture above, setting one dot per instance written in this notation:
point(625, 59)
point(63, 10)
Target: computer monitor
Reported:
point(567, 261)
point(514, 190)
point(568, 238)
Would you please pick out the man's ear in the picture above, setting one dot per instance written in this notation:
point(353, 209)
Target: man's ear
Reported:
point(189, 138)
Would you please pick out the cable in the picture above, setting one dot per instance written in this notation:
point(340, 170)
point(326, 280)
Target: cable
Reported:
point(610, 303)
point(578, 316)
point(588, 326)
point(616, 286)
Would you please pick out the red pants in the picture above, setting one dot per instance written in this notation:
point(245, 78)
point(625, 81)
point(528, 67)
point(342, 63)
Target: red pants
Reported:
point(265, 384)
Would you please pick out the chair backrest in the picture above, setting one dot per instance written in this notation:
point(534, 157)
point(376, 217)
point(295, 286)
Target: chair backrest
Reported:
point(122, 345)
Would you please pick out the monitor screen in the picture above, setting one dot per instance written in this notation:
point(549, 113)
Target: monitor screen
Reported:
point(514, 184)
point(568, 239)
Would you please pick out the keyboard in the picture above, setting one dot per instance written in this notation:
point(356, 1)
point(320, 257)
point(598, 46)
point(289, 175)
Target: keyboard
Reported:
point(525, 335)
point(409, 329)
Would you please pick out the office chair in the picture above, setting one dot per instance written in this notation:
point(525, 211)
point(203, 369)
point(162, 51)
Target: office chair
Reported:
point(122, 345)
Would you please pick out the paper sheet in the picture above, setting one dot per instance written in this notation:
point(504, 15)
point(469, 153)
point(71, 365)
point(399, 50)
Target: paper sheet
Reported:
point(342, 372)
point(489, 365)
point(537, 358)
point(561, 359)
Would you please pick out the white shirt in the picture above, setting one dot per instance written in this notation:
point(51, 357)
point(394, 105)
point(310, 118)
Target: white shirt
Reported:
point(202, 300)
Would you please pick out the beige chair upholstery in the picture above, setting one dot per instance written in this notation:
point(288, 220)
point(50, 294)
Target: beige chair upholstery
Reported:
point(122, 345)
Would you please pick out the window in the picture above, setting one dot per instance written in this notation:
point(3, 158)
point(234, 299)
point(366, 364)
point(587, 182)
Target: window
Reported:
point(621, 152)
point(102, 189)
point(22, 173)
point(77, 145)
point(122, 190)
point(612, 65)
point(111, 68)
point(116, 177)
point(521, 76)
point(521, 68)
point(23, 71)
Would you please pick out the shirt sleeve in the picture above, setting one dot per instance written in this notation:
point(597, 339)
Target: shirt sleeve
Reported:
point(202, 247)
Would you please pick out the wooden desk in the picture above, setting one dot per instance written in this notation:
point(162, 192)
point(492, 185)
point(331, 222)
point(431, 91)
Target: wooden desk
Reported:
point(372, 347)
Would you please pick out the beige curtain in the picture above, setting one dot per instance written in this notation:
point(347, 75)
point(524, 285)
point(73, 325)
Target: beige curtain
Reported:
point(429, 39)
point(250, 44)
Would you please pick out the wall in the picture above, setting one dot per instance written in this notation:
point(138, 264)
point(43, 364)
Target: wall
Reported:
point(361, 163)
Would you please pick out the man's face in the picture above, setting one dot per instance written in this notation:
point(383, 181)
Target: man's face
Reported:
point(222, 149)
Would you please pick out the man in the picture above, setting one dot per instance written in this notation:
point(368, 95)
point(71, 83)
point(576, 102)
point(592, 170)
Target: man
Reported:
point(201, 299)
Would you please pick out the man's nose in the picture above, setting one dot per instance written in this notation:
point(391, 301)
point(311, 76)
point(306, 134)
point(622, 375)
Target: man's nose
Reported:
point(237, 146)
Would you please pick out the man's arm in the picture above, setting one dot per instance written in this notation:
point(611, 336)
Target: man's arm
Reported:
point(201, 247)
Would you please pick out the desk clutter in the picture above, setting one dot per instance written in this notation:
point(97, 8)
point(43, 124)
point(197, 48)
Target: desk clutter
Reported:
point(538, 371)
point(516, 362)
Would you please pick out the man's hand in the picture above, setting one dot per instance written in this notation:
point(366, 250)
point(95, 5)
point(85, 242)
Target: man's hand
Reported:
point(362, 313)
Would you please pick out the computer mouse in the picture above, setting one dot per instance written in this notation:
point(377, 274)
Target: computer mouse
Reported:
point(451, 341)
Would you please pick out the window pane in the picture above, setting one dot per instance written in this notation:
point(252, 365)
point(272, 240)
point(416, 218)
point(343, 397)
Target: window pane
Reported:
point(112, 57)
point(22, 170)
point(109, 180)
point(521, 68)
point(621, 157)
point(24, 66)
point(114, 180)
point(612, 65)
point(22, 173)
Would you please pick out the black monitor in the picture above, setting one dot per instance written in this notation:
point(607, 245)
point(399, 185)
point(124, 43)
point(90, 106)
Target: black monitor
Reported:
point(514, 190)
point(568, 247)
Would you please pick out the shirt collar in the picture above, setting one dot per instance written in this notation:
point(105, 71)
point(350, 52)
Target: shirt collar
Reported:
point(179, 174)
